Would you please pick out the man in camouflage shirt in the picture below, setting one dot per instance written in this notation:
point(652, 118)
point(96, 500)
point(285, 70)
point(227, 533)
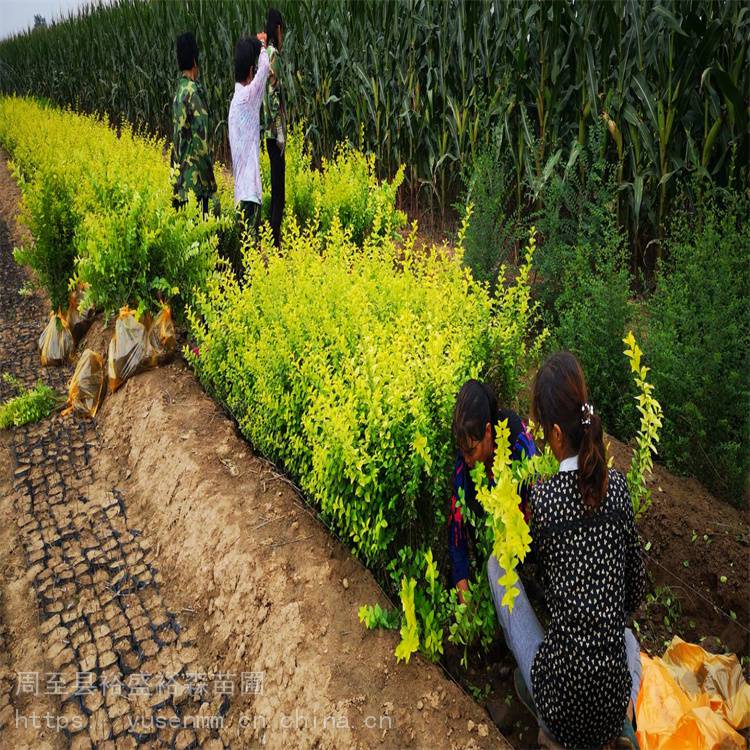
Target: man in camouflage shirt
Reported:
point(192, 165)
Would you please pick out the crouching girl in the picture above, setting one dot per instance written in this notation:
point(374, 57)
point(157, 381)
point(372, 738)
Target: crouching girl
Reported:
point(581, 678)
point(476, 416)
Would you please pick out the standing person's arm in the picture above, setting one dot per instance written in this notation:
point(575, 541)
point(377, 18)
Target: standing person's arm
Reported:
point(253, 93)
point(258, 84)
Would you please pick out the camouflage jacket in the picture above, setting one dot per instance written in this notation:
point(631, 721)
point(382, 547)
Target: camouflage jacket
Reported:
point(273, 105)
point(192, 165)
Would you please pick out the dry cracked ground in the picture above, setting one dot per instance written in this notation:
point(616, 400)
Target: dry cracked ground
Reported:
point(162, 587)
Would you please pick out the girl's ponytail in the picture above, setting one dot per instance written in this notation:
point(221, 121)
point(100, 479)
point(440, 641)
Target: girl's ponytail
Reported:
point(592, 460)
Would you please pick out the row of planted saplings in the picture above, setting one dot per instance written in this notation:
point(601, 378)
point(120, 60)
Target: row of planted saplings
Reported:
point(138, 344)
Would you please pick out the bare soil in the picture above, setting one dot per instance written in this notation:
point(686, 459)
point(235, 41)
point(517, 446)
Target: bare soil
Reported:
point(700, 549)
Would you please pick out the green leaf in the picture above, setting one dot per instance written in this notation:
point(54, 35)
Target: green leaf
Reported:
point(409, 630)
point(671, 21)
point(644, 94)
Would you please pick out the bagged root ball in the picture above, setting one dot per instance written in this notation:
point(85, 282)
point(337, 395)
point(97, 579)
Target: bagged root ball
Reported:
point(86, 388)
point(128, 349)
point(161, 337)
point(78, 322)
point(138, 346)
point(56, 343)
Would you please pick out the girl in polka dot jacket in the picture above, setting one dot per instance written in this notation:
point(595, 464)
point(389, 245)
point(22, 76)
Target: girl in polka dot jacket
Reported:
point(583, 675)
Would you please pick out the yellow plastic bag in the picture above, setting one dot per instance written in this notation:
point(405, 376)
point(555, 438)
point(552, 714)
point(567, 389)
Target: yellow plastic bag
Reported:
point(669, 718)
point(56, 343)
point(128, 349)
point(720, 675)
point(64, 330)
point(86, 388)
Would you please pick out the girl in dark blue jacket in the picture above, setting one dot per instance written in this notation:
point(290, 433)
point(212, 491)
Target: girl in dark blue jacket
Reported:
point(475, 417)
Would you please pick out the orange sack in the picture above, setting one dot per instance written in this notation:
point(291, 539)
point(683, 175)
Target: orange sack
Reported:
point(162, 341)
point(692, 700)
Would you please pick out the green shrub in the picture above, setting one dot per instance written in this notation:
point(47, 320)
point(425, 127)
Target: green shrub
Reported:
point(592, 314)
point(133, 251)
point(699, 343)
point(494, 232)
point(28, 406)
point(48, 210)
point(345, 187)
point(584, 282)
point(577, 207)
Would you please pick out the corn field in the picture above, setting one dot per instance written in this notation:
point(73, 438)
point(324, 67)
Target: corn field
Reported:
point(428, 83)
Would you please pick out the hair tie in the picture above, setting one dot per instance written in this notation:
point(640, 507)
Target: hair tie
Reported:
point(587, 411)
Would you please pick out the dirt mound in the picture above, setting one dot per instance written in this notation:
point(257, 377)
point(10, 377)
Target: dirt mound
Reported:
point(698, 555)
point(264, 585)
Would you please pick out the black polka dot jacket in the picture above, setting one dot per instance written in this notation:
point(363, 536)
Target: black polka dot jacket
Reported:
point(593, 576)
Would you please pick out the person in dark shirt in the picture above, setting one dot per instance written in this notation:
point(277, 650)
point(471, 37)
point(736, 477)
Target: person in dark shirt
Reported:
point(583, 674)
point(275, 120)
point(475, 417)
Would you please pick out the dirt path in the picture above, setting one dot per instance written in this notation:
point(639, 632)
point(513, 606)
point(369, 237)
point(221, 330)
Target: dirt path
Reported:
point(23, 722)
point(163, 587)
point(82, 613)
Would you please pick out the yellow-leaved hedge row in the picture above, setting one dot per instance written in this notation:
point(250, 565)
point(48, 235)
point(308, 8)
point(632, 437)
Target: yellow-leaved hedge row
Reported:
point(98, 203)
point(342, 363)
